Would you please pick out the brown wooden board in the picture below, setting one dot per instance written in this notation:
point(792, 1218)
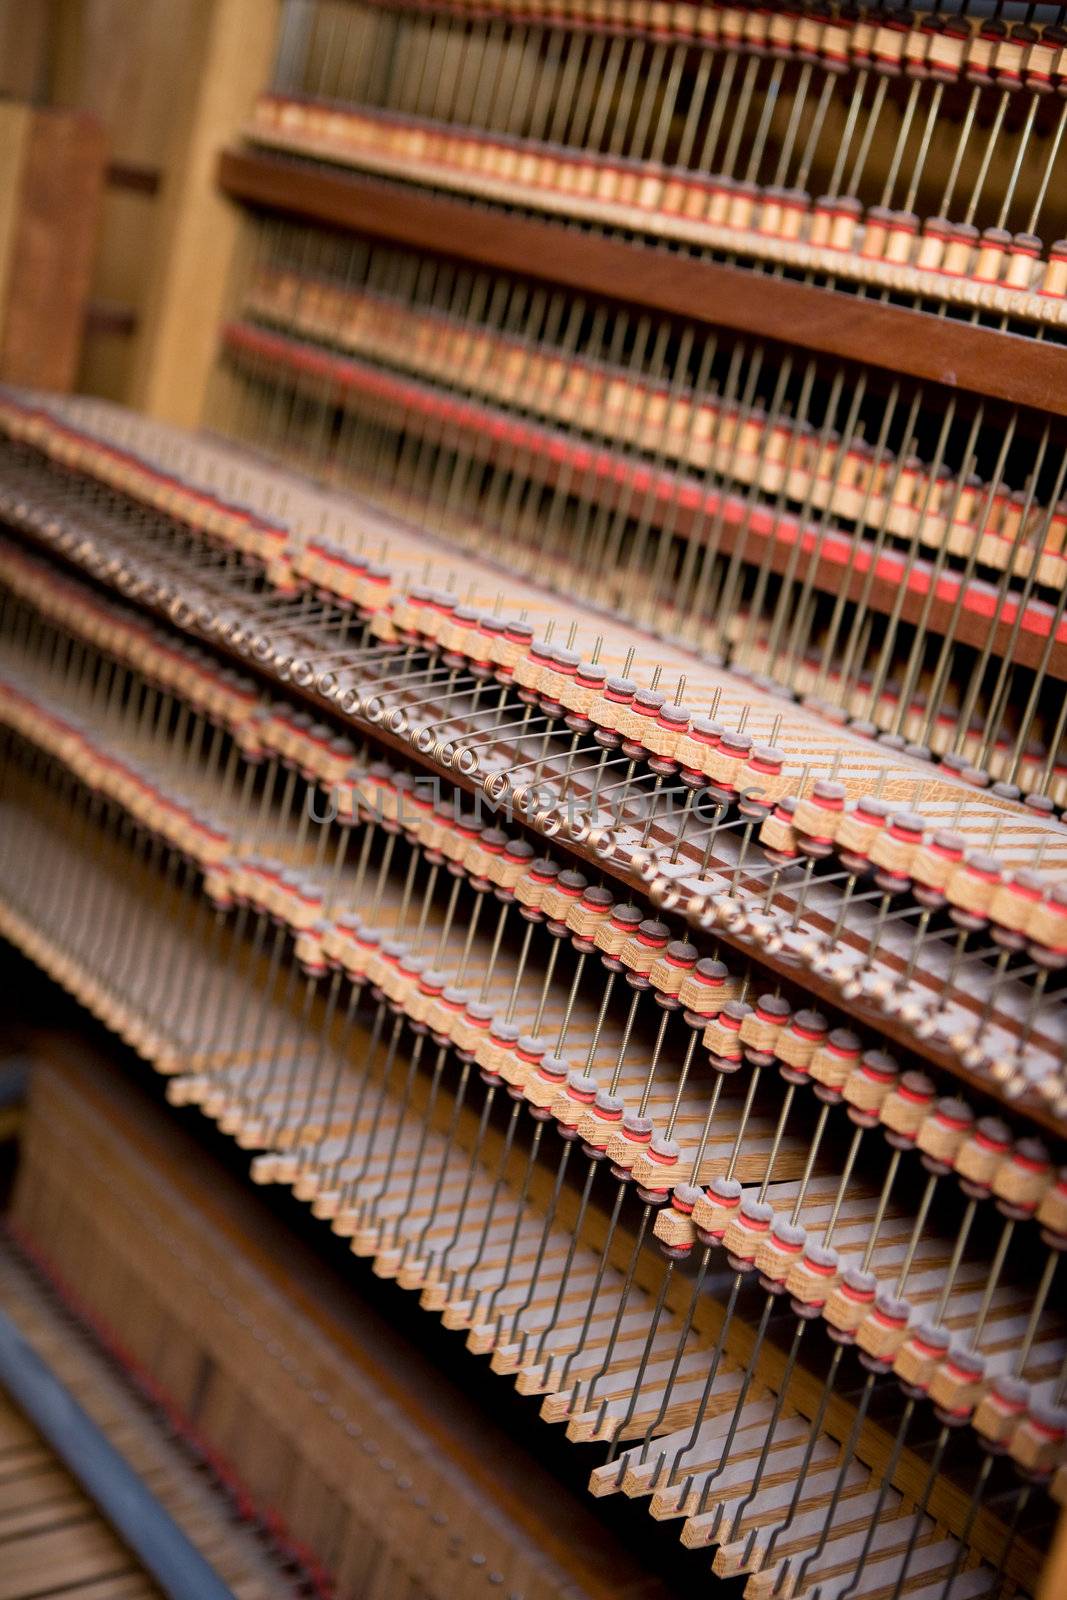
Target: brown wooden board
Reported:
point(53, 244)
point(1002, 366)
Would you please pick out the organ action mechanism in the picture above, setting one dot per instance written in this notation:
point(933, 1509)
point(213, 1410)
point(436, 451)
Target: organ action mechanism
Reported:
point(565, 769)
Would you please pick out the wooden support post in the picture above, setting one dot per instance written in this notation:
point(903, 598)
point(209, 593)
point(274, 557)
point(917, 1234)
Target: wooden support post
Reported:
point(51, 185)
point(15, 123)
point(198, 228)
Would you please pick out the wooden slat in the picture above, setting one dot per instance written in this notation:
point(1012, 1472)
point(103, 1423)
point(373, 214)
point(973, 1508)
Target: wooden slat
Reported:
point(52, 250)
point(15, 123)
point(984, 361)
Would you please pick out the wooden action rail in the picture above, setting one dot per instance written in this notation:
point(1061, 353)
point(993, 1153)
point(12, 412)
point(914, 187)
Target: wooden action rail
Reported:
point(948, 39)
point(1002, 366)
point(693, 127)
point(720, 216)
point(411, 556)
point(384, 590)
point(538, 377)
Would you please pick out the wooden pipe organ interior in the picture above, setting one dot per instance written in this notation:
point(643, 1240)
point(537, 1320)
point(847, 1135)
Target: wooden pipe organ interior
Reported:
point(566, 771)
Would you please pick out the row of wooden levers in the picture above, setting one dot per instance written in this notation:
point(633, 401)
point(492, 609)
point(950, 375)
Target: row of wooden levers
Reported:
point(888, 549)
point(811, 135)
point(798, 1288)
point(765, 509)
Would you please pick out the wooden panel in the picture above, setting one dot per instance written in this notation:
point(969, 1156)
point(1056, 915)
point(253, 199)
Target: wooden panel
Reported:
point(197, 230)
point(119, 278)
point(52, 250)
point(24, 27)
point(228, 1215)
point(132, 63)
point(1001, 365)
point(15, 122)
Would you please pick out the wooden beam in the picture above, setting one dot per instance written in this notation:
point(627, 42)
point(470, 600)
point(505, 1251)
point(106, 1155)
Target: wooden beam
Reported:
point(203, 1200)
point(52, 248)
point(198, 230)
point(958, 355)
point(15, 124)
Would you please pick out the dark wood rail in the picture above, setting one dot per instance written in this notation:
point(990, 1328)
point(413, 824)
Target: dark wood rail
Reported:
point(1003, 366)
